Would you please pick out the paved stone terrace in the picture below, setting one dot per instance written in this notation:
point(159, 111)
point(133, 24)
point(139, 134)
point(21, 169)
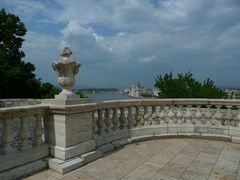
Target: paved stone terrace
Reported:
point(166, 159)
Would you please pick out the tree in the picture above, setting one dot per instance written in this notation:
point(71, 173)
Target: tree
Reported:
point(81, 93)
point(48, 90)
point(185, 86)
point(17, 78)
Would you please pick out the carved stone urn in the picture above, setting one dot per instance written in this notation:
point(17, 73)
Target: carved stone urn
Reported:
point(66, 70)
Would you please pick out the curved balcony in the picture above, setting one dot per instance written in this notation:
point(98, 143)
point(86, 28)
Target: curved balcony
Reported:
point(81, 133)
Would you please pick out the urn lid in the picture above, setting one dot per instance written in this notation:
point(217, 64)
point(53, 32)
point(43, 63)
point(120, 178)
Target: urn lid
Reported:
point(66, 53)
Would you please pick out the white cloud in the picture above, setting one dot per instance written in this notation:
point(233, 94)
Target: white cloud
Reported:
point(186, 34)
point(121, 34)
point(149, 59)
point(85, 42)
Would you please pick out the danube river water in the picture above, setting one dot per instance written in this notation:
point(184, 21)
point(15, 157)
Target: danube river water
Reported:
point(106, 96)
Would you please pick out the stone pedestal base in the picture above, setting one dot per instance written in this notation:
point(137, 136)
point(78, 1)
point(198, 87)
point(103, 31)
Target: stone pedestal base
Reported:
point(72, 151)
point(65, 166)
point(63, 102)
point(67, 96)
point(66, 99)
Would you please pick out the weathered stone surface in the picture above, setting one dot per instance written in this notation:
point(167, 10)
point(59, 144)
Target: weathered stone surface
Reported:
point(21, 158)
point(72, 151)
point(92, 156)
point(106, 148)
point(78, 128)
point(64, 167)
point(24, 170)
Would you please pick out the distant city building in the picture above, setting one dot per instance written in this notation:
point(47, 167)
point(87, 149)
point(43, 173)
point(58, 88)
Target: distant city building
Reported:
point(233, 93)
point(140, 91)
point(155, 91)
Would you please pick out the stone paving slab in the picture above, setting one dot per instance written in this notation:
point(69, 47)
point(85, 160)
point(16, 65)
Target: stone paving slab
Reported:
point(165, 159)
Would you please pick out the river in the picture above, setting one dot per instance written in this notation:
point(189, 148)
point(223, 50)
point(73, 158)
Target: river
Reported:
point(105, 96)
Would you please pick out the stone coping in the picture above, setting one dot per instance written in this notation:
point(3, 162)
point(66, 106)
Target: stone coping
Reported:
point(24, 108)
point(89, 107)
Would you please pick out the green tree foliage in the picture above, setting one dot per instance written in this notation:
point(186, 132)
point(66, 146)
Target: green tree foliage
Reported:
point(48, 90)
point(17, 78)
point(80, 93)
point(185, 86)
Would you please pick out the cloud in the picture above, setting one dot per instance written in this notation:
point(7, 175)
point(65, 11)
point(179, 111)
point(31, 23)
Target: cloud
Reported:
point(85, 42)
point(121, 34)
point(146, 60)
point(162, 35)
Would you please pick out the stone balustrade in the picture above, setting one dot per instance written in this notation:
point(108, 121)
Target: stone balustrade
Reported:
point(74, 135)
point(155, 118)
point(22, 137)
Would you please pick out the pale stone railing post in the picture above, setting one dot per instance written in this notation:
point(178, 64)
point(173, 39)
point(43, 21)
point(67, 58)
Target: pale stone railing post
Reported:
point(162, 115)
point(137, 116)
point(188, 116)
point(108, 121)
point(16, 127)
point(39, 129)
point(131, 118)
point(115, 120)
point(100, 121)
point(1, 136)
point(24, 133)
point(7, 137)
point(122, 118)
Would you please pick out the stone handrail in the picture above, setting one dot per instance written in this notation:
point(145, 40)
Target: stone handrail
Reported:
point(22, 135)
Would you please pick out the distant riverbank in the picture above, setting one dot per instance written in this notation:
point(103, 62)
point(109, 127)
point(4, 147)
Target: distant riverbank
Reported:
point(106, 96)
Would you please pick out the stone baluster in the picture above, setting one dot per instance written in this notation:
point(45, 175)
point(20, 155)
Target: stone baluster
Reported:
point(179, 115)
point(147, 116)
point(138, 116)
point(39, 129)
point(170, 115)
point(188, 115)
point(228, 117)
point(162, 115)
point(130, 118)
point(108, 121)
point(141, 116)
point(198, 116)
point(32, 124)
point(100, 122)
point(122, 118)
point(115, 120)
point(238, 118)
point(154, 116)
point(217, 118)
point(7, 136)
point(1, 136)
point(15, 128)
point(95, 118)
point(208, 115)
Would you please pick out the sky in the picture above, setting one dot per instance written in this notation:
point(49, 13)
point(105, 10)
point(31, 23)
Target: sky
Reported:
point(121, 42)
